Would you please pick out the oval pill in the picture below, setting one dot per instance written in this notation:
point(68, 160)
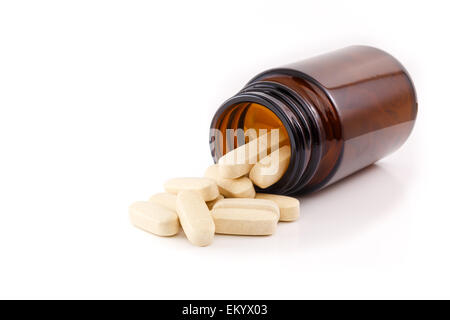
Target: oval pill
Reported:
point(242, 203)
point(239, 162)
point(206, 187)
point(154, 218)
point(195, 218)
point(271, 168)
point(240, 221)
point(289, 207)
point(235, 170)
point(165, 199)
point(231, 188)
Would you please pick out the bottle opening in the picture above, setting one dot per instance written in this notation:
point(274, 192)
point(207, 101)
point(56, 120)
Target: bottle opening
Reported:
point(242, 122)
point(246, 119)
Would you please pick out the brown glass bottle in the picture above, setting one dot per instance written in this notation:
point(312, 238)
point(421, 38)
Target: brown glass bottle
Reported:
point(342, 111)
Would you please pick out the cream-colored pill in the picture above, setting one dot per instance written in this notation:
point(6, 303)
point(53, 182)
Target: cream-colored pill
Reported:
point(242, 203)
point(195, 218)
point(231, 188)
point(165, 199)
point(206, 187)
point(154, 218)
point(240, 161)
point(240, 221)
point(211, 203)
point(169, 200)
point(271, 168)
point(289, 207)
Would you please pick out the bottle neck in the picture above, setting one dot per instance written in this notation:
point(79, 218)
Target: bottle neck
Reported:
point(302, 126)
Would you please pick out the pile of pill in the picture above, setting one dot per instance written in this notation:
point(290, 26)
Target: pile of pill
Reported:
point(224, 201)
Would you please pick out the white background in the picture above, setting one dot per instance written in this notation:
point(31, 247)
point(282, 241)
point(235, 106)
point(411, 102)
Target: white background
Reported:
point(102, 101)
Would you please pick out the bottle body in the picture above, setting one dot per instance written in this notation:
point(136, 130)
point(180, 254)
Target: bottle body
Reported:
point(343, 111)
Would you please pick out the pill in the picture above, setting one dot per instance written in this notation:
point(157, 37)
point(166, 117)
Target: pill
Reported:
point(271, 168)
point(195, 218)
point(154, 218)
point(206, 187)
point(238, 221)
point(242, 203)
point(231, 188)
point(211, 203)
point(289, 207)
point(164, 199)
point(240, 161)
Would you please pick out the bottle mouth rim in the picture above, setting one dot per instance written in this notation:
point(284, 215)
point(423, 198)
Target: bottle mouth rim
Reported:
point(304, 140)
